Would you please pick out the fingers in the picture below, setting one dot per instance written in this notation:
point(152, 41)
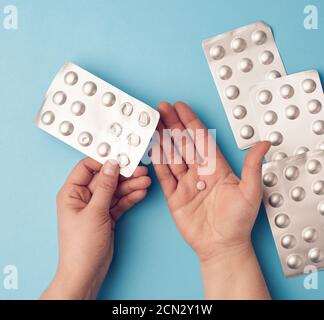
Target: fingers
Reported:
point(252, 169)
point(131, 185)
point(105, 187)
point(180, 136)
point(82, 173)
point(126, 203)
point(163, 172)
point(170, 154)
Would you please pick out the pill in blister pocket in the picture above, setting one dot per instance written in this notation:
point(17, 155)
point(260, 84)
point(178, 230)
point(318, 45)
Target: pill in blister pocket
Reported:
point(293, 118)
point(293, 197)
point(238, 60)
point(97, 119)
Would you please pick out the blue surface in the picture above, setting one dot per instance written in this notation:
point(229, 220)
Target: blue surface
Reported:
point(151, 50)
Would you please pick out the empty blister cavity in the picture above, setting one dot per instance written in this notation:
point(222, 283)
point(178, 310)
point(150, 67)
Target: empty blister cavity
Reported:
point(85, 139)
point(295, 206)
point(97, 118)
point(299, 111)
point(238, 60)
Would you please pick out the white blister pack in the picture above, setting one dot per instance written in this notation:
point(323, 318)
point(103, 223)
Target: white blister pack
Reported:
point(294, 201)
point(238, 60)
point(97, 119)
point(290, 113)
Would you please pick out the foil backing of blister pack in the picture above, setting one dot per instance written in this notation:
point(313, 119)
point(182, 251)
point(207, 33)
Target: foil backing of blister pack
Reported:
point(290, 113)
point(294, 201)
point(97, 119)
point(238, 60)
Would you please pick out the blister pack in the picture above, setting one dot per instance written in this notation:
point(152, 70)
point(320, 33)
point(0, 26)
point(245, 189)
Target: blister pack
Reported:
point(294, 201)
point(97, 119)
point(238, 60)
point(289, 112)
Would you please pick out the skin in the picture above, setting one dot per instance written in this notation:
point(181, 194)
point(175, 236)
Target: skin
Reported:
point(216, 222)
point(90, 202)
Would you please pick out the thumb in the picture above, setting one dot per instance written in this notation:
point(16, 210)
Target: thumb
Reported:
point(252, 170)
point(105, 187)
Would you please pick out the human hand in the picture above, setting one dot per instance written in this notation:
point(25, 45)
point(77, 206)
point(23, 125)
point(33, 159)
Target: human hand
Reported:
point(217, 221)
point(90, 202)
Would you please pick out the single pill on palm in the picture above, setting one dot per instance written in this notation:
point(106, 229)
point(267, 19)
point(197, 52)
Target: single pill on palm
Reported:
point(201, 185)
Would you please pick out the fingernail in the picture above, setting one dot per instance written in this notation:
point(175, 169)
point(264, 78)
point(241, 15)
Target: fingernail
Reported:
point(110, 167)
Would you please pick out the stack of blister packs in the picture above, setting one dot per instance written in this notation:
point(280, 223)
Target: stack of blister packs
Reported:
point(263, 103)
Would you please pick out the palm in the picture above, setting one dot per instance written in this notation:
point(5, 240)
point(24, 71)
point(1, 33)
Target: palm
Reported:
point(208, 219)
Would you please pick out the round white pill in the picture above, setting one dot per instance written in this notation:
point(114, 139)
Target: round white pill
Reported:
point(270, 118)
point(127, 109)
point(265, 97)
point(279, 156)
point(239, 112)
point(291, 173)
point(217, 52)
point(309, 234)
point(144, 119)
point(108, 99)
point(123, 160)
point(246, 65)
point(320, 208)
point(298, 194)
point(71, 78)
point(288, 241)
point(315, 255)
point(318, 127)
point(274, 74)
point(201, 185)
point(85, 139)
point(276, 200)
point(48, 118)
point(282, 221)
point(238, 45)
point(232, 92)
point(314, 106)
point(294, 261)
point(270, 179)
point(59, 98)
point(318, 187)
point(309, 85)
point(78, 108)
point(321, 146)
point(116, 129)
point(247, 132)
point(287, 91)
point(301, 150)
point(66, 128)
point(313, 166)
point(292, 112)
point(276, 138)
point(266, 57)
point(133, 139)
point(225, 72)
point(89, 88)
point(103, 149)
point(259, 37)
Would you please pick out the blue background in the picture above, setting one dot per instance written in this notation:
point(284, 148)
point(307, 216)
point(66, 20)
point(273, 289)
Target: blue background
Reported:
point(152, 50)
